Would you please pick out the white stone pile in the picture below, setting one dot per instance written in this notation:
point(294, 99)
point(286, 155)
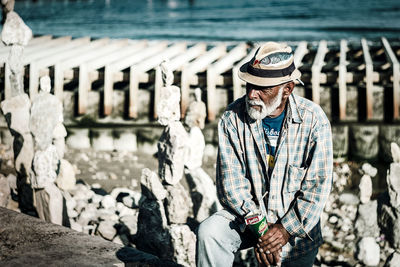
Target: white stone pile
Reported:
point(201, 186)
point(112, 216)
point(366, 226)
point(338, 218)
point(389, 212)
point(37, 128)
point(358, 230)
point(162, 228)
point(16, 109)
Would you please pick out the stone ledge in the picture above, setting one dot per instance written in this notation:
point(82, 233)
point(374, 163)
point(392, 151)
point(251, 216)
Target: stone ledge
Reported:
point(29, 241)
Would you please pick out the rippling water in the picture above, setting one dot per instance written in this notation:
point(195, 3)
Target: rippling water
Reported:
point(219, 20)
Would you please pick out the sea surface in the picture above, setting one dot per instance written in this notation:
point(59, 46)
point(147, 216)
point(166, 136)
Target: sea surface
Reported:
point(214, 20)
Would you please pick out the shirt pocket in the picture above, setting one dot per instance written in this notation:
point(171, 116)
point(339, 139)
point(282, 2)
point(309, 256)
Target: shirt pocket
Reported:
point(294, 178)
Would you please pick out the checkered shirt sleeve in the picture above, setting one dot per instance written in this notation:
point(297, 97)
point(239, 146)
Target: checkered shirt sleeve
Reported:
point(233, 187)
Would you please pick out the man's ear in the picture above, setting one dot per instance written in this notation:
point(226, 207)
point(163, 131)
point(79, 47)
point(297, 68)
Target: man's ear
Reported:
point(288, 89)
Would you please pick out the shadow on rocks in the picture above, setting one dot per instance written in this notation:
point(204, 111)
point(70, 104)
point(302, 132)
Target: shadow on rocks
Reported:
point(136, 258)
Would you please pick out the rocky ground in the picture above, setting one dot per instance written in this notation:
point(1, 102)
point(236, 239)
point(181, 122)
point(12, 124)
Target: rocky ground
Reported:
point(105, 171)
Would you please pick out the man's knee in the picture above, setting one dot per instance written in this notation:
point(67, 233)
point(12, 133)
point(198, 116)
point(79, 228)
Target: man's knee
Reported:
point(219, 226)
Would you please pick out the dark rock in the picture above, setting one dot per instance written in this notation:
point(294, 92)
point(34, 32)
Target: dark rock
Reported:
point(153, 234)
point(99, 191)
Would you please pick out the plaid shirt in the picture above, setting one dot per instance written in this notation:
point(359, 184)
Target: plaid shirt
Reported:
point(300, 182)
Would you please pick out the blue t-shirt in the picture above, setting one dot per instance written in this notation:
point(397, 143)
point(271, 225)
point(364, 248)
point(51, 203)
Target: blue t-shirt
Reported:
point(272, 128)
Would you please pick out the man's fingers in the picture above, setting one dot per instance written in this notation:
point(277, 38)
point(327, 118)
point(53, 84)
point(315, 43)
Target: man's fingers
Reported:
point(257, 255)
point(274, 236)
point(270, 258)
point(264, 258)
point(267, 235)
point(277, 257)
point(274, 246)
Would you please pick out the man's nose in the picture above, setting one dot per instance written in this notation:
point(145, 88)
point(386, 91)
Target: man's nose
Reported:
point(253, 94)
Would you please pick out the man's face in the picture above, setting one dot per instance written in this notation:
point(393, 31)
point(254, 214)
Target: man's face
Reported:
point(262, 101)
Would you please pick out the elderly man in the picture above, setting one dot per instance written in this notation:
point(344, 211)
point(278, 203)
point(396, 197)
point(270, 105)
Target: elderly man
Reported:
point(275, 158)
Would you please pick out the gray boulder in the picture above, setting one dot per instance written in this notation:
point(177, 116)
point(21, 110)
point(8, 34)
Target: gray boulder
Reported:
point(17, 113)
point(4, 191)
point(46, 114)
point(151, 185)
point(368, 251)
point(15, 30)
point(393, 181)
point(131, 221)
point(66, 178)
point(107, 230)
point(389, 221)
point(184, 243)
point(349, 199)
point(367, 220)
point(172, 153)
point(177, 204)
point(203, 193)
point(393, 260)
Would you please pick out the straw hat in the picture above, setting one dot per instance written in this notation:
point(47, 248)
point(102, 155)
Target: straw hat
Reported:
point(271, 65)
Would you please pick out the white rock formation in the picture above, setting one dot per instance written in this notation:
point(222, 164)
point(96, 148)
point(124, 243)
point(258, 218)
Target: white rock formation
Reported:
point(49, 203)
point(59, 135)
point(393, 182)
point(18, 107)
point(4, 191)
point(17, 112)
point(368, 251)
point(177, 204)
point(46, 114)
point(108, 202)
point(395, 149)
point(107, 230)
point(17, 35)
point(196, 112)
point(131, 222)
point(368, 169)
point(15, 31)
point(203, 193)
point(365, 187)
point(393, 260)
point(172, 153)
point(45, 165)
point(151, 185)
point(196, 145)
point(66, 178)
point(168, 109)
point(184, 243)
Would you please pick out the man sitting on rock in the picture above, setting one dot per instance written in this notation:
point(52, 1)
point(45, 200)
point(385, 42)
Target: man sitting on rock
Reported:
point(275, 161)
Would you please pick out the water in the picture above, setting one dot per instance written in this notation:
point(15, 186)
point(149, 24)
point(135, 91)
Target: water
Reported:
point(215, 20)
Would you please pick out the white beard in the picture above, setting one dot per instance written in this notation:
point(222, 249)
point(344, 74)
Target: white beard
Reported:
point(265, 110)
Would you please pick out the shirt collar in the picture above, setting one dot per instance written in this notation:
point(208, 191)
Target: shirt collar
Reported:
point(294, 113)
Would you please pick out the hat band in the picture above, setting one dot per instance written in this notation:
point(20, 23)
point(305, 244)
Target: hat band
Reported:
point(271, 73)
